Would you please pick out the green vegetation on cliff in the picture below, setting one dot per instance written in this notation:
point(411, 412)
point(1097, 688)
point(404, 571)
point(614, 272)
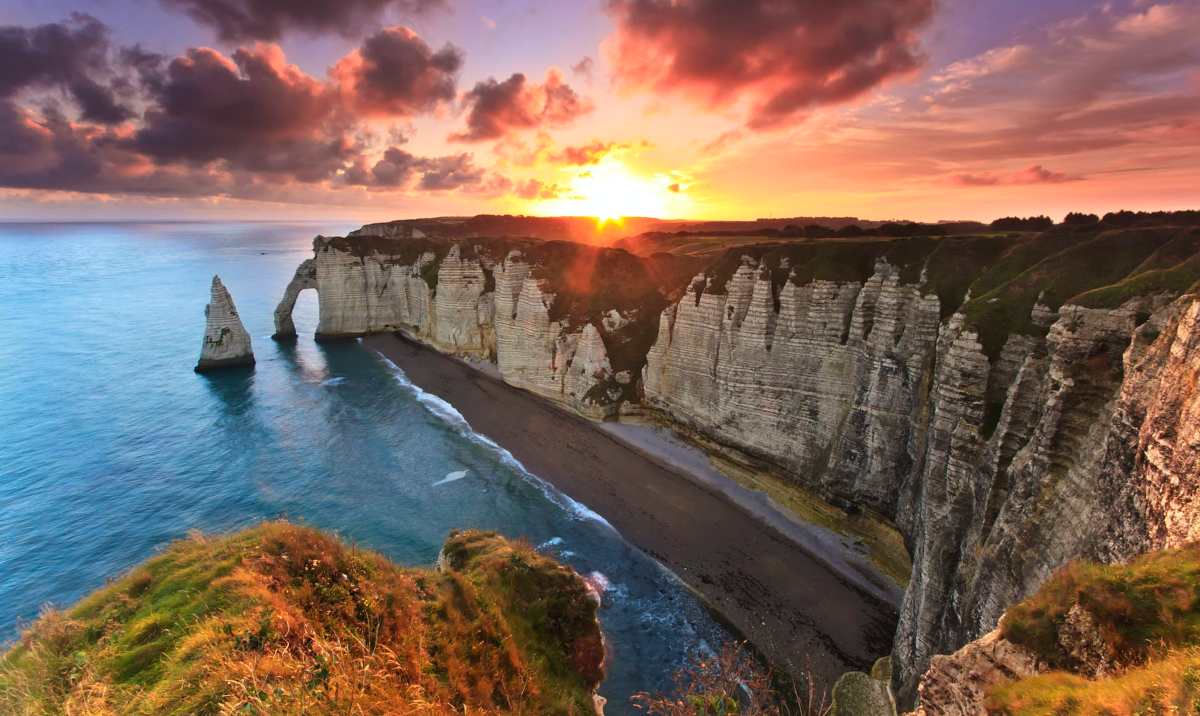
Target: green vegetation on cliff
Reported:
point(285, 619)
point(1134, 627)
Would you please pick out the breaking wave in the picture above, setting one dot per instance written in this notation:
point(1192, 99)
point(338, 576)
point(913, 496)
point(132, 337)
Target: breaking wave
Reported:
point(455, 420)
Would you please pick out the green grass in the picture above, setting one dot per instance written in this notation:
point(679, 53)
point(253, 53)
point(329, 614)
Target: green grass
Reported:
point(1088, 262)
point(283, 619)
point(1147, 616)
point(956, 263)
point(1174, 281)
point(1148, 604)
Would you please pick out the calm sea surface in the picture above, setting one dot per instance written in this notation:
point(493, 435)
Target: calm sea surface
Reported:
point(111, 447)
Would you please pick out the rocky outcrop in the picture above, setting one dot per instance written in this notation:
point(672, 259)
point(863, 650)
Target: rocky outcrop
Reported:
point(305, 277)
point(1081, 443)
point(957, 685)
point(226, 342)
point(1073, 470)
point(824, 378)
point(464, 302)
point(1093, 639)
point(1073, 433)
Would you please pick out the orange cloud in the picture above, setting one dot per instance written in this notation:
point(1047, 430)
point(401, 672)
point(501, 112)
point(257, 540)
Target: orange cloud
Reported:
point(497, 109)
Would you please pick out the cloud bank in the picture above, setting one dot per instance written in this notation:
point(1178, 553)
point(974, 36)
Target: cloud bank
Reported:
point(778, 58)
point(244, 20)
point(81, 114)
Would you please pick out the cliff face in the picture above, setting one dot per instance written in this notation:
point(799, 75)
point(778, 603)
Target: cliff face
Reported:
point(1095, 638)
point(226, 342)
point(1081, 443)
point(826, 384)
point(476, 298)
point(1011, 403)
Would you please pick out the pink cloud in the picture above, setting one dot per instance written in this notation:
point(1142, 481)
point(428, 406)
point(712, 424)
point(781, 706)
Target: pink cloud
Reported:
point(497, 109)
point(782, 58)
point(1036, 174)
point(395, 72)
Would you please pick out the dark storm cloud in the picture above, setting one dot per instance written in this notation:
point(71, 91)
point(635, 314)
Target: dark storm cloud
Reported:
point(500, 108)
point(395, 72)
point(400, 169)
point(248, 124)
point(238, 20)
point(71, 56)
point(49, 152)
point(254, 113)
point(782, 58)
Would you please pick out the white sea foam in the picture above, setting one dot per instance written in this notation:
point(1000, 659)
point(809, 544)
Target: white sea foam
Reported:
point(334, 381)
point(451, 477)
point(552, 542)
point(450, 415)
point(599, 581)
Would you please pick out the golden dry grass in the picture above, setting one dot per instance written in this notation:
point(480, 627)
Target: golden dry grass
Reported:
point(282, 619)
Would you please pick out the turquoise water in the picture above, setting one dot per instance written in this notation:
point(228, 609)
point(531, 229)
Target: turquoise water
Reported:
point(111, 446)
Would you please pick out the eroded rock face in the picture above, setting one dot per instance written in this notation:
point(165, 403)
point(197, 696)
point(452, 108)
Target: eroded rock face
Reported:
point(826, 385)
point(226, 342)
point(957, 685)
point(305, 277)
point(463, 304)
point(1084, 443)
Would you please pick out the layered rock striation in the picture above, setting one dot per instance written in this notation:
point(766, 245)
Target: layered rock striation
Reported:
point(1010, 403)
point(998, 469)
point(482, 299)
point(226, 342)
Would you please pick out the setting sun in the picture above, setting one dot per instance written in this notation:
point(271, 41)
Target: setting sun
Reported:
point(610, 190)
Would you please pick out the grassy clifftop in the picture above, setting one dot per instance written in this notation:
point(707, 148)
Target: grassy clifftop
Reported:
point(1120, 639)
point(285, 619)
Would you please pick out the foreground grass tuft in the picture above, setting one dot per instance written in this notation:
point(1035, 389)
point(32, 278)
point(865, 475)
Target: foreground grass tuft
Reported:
point(1144, 627)
point(282, 619)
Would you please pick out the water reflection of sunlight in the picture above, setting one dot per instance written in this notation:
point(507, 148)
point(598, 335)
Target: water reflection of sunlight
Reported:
point(313, 366)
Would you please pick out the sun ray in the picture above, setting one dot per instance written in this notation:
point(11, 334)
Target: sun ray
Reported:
point(610, 191)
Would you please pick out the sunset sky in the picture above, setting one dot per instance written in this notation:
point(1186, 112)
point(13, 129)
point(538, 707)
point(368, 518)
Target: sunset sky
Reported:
point(377, 109)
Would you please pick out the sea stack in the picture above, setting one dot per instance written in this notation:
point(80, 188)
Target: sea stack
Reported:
point(226, 342)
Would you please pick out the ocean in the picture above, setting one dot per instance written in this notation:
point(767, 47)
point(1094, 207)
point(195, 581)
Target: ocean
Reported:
point(111, 446)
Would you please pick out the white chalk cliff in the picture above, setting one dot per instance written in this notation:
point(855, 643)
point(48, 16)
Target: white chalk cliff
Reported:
point(860, 393)
point(226, 342)
point(1076, 438)
point(464, 303)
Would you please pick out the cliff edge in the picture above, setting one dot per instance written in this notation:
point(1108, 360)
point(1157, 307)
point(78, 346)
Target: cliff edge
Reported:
point(1117, 639)
point(285, 619)
point(1009, 402)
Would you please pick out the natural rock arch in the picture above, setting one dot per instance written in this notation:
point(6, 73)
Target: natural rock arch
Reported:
point(306, 277)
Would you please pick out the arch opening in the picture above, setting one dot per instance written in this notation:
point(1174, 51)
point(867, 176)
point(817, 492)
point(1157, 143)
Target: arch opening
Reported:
point(305, 278)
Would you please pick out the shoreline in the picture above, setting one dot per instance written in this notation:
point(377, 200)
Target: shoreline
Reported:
point(792, 606)
point(835, 550)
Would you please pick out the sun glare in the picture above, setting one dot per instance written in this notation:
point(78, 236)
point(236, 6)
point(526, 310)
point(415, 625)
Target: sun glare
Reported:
point(610, 191)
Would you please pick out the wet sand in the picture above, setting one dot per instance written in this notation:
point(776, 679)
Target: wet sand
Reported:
point(792, 607)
